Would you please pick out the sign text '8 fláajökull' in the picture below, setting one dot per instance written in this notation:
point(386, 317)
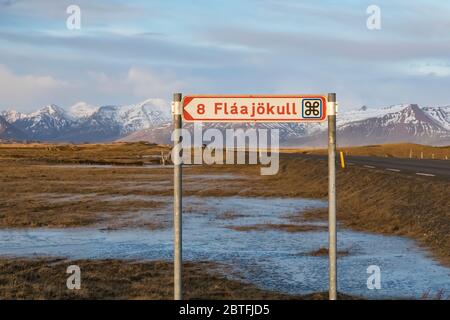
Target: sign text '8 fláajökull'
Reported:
point(255, 108)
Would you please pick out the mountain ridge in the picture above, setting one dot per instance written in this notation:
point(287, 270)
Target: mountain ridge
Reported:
point(150, 120)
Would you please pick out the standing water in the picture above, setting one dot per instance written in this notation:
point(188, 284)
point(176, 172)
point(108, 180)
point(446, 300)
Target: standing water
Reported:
point(271, 258)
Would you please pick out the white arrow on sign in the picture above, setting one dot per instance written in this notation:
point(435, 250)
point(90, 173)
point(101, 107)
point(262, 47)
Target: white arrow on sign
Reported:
point(253, 108)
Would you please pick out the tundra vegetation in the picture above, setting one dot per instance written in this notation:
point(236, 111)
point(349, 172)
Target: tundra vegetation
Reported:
point(43, 185)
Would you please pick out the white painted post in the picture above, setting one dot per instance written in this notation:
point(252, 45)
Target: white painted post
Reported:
point(177, 204)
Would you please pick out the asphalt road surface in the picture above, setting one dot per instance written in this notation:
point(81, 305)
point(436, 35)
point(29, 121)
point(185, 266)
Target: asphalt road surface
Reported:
point(417, 167)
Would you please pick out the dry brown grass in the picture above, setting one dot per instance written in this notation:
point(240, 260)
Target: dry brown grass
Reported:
point(36, 193)
point(139, 153)
point(45, 213)
point(54, 196)
point(323, 252)
point(117, 279)
point(230, 215)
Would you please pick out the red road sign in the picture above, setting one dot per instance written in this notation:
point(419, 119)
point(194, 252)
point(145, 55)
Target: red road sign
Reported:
point(254, 108)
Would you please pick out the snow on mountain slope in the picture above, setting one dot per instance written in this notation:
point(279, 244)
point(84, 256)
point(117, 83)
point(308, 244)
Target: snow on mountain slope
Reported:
point(102, 125)
point(81, 110)
point(411, 121)
point(346, 116)
point(147, 114)
point(12, 115)
point(440, 114)
point(399, 123)
point(46, 123)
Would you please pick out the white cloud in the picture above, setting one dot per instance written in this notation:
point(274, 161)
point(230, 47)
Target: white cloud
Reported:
point(433, 68)
point(140, 82)
point(146, 83)
point(19, 90)
point(31, 91)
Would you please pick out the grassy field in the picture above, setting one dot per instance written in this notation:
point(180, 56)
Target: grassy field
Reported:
point(118, 279)
point(35, 194)
point(114, 153)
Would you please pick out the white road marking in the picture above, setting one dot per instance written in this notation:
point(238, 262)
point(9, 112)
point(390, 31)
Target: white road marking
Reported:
point(425, 174)
point(395, 170)
point(371, 167)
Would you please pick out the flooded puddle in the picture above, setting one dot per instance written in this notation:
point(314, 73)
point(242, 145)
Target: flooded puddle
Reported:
point(270, 258)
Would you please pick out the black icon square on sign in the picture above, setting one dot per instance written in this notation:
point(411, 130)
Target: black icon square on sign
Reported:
point(312, 108)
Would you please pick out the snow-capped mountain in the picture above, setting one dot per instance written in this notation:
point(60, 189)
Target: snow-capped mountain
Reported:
point(45, 124)
point(147, 114)
point(396, 123)
point(109, 123)
point(404, 123)
point(83, 122)
point(102, 125)
point(151, 121)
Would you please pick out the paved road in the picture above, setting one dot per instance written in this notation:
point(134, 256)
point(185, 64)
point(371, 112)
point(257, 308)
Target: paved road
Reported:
point(424, 168)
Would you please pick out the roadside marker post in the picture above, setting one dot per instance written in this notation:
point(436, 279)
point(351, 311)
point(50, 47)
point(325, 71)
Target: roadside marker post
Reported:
point(342, 160)
point(254, 109)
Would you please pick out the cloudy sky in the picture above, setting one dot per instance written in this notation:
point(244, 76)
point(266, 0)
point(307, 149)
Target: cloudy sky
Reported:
point(127, 51)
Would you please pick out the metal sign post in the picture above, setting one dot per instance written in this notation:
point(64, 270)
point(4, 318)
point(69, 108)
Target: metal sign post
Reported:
point(255, 108)
point(177, 194)
point(332, 194)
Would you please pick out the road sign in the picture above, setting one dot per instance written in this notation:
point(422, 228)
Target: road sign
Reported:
point(255, 108)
